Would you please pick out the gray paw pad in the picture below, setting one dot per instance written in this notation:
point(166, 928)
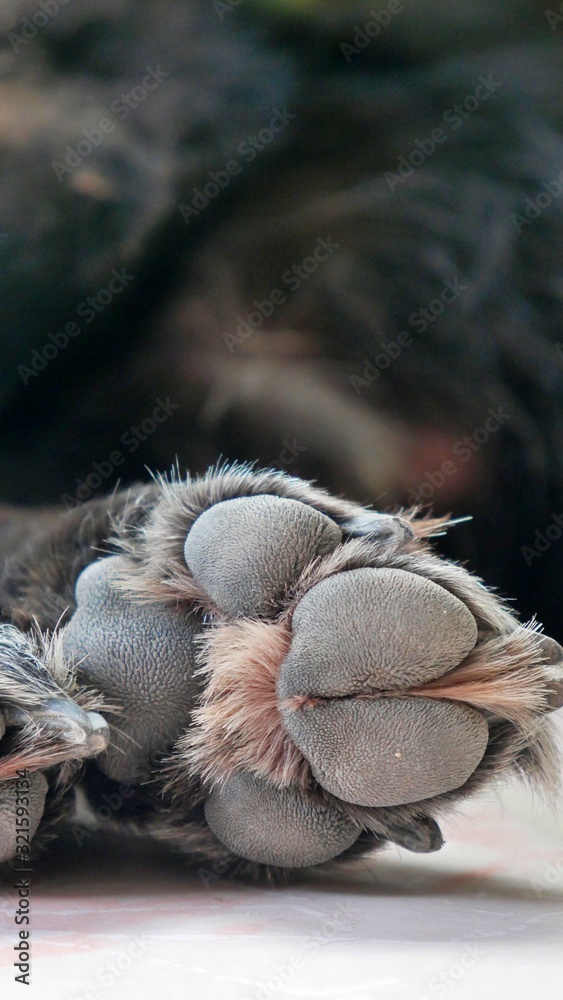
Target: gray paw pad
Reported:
point(390, 751)
point(276, 826)
point(141, 657)
point(17, 795)
point(362, 633)
point(245, 552)
point(374, 629)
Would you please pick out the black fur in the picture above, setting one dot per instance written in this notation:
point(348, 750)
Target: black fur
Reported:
point(299, 380)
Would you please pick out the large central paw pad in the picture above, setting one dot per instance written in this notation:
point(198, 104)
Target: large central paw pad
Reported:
point(359, 637)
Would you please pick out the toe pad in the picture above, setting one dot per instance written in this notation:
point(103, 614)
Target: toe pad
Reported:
point(246, 552)
point(374, 629)
point(17, 795)
point(276, 826)
point(390, 751)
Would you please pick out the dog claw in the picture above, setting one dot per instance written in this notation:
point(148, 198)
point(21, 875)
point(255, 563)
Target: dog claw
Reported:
point(380, 527)
point(87, 733)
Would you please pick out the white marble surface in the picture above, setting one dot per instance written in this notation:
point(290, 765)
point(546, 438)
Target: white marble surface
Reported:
point(482, 918)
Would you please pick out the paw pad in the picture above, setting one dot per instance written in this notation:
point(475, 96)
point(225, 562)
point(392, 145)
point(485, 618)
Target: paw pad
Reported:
point(142, 659)
point(245, 552)
point(389, 752)
point(357, 636)
point(277, 826)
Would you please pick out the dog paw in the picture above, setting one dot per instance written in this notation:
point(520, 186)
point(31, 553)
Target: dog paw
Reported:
point(312, 667)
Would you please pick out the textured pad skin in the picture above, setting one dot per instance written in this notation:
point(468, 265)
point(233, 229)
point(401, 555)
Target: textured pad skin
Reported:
point(276, 826)
point(13, 795)
point(139, 656)
point(374, 629)
point(369, 630)
point(390, 751)
point(245, 552)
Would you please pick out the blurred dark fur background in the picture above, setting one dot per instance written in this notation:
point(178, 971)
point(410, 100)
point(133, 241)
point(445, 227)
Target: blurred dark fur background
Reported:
point(418, 357)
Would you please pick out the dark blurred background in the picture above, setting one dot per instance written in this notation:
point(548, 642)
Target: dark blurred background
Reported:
point(324, 236)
